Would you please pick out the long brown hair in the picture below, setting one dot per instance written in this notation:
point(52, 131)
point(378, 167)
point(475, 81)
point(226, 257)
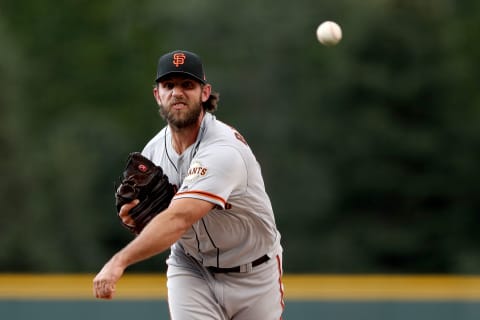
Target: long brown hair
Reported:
point(211, 104)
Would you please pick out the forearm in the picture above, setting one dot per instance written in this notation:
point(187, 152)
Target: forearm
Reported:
point(164, 230)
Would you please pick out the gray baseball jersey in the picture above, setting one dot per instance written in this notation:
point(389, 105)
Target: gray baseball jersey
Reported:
point(220, 168)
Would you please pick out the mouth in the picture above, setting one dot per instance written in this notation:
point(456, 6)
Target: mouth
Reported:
point(178, 105)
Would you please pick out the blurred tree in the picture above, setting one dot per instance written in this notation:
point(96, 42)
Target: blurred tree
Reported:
point(368, 148)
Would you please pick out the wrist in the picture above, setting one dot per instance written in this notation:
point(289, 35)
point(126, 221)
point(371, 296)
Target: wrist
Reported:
point(119, 261)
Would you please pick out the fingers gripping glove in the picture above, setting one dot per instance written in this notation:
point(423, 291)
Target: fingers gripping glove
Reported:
point(145, 181)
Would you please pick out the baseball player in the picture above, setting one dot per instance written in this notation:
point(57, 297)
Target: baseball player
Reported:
point(225, 257)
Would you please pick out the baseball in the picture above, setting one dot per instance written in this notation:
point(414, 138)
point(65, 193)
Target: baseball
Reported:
point(329, 33)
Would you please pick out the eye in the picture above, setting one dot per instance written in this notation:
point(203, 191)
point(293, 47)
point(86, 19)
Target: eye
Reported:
point(188, 84)
point(168, 85)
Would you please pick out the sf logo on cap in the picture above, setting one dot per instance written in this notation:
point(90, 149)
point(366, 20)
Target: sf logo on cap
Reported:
point(178, 59)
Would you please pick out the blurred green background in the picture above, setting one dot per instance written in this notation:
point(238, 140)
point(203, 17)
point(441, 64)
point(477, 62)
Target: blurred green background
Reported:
point(369, 149)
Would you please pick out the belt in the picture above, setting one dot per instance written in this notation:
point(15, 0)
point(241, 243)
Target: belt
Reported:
point(255, 263)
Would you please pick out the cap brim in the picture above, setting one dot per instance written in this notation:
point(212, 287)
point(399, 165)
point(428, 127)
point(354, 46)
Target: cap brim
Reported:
point(181, 73)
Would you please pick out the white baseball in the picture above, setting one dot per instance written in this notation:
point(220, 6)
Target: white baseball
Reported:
point(329, 33)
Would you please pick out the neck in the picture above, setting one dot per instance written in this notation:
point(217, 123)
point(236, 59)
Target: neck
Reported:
point(182, 138)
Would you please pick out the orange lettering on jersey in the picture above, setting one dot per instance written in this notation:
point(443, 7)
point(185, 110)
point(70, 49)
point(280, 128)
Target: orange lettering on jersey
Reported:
point(238, 135)
point(178, 59)
point(197, 171)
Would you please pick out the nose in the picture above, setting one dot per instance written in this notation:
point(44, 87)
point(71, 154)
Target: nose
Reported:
point(177, 91)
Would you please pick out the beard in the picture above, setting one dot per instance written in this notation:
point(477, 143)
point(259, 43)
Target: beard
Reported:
point(183, 119)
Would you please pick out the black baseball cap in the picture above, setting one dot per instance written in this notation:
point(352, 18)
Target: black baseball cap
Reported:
point(180, 62)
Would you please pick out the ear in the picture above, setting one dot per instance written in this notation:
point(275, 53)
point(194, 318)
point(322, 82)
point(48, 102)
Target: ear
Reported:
point(156, 94)
point(206, 91)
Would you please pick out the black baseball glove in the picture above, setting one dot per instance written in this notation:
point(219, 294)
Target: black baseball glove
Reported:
point(145, 181)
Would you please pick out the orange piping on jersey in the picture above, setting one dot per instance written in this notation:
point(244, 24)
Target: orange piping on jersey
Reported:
point(282, 293)
point(203, 194)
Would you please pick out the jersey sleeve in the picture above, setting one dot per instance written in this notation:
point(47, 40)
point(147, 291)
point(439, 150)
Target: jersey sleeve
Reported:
point(213, 176)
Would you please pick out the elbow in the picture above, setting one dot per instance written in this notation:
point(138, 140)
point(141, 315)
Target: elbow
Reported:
point(180, 223)
point(184, 213)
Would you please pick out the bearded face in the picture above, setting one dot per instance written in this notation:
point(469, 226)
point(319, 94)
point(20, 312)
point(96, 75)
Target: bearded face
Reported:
point(180, 101)
point(183, 117)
